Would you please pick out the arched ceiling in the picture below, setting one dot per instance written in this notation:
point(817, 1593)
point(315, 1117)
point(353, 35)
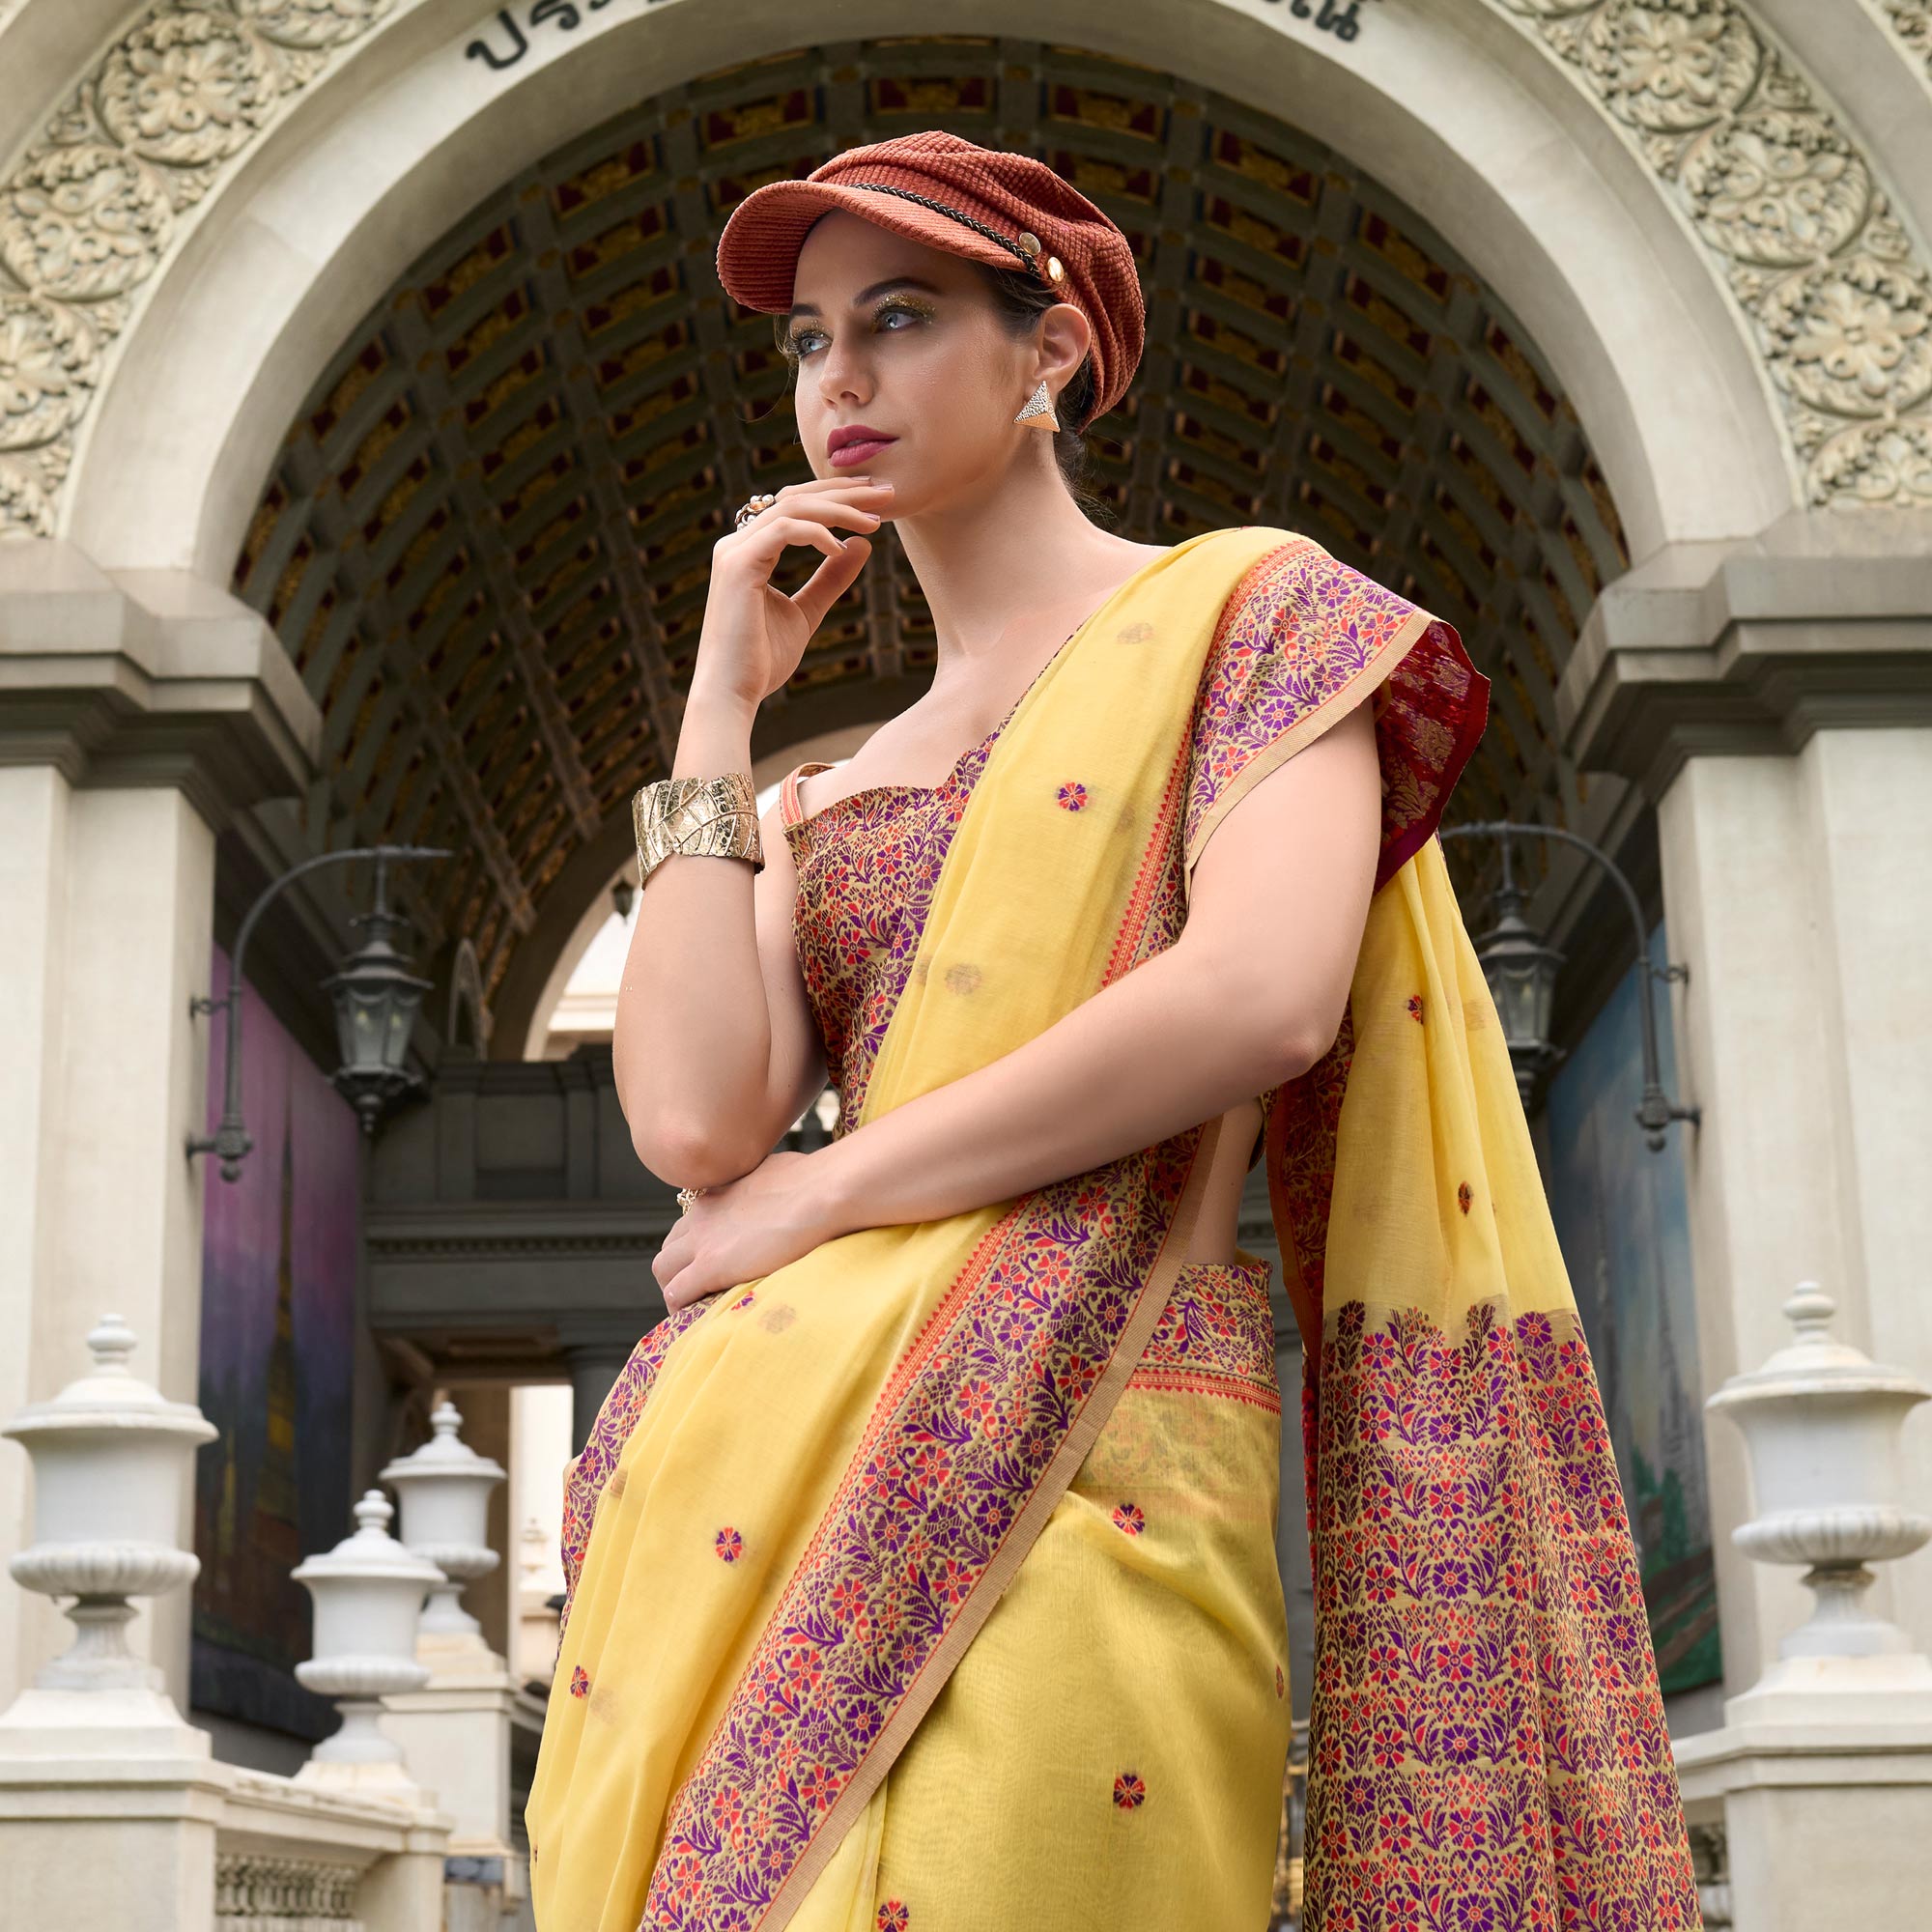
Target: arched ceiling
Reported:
point(487, 537)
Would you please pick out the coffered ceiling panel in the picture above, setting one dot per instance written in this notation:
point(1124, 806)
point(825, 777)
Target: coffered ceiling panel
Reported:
point(487, 537)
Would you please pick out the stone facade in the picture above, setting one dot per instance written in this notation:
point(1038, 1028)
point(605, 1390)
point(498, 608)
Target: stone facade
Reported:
point(367, 401)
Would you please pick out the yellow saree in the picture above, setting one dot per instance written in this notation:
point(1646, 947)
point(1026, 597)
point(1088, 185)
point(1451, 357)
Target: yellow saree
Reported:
point(928, 1581)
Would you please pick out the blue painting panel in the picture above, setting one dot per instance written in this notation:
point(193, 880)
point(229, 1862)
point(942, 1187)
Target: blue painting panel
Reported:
point(1622, 1214)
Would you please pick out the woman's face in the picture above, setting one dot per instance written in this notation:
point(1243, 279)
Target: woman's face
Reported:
point(893, 336)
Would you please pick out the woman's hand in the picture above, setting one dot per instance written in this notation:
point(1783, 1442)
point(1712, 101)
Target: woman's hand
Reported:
point(753, 636)
point(743, 1230)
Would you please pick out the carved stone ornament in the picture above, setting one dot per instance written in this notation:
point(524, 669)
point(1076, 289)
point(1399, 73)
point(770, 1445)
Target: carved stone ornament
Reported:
point(1775, 187)
point(1839, 302)
point(1912, 21)
point(89, 212)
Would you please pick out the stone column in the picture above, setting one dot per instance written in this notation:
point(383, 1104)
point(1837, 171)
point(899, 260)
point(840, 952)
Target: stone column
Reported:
point(1775, 698)
point(136, 714)
point(595, 1362)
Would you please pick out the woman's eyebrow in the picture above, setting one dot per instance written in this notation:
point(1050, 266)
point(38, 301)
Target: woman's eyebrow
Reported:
point(866, 295)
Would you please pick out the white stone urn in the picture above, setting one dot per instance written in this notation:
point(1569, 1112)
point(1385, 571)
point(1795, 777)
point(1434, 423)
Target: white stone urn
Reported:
point(368, 1594)
point(1821, 1424)
point(109, 1453)
point(444, 1490)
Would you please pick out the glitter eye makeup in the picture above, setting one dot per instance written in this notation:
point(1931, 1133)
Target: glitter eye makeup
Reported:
point(911, 305)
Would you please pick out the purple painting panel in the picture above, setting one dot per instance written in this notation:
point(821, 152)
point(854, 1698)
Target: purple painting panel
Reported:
point(277, 1338)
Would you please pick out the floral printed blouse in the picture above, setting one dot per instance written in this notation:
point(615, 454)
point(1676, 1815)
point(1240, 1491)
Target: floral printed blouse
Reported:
point(868, 864)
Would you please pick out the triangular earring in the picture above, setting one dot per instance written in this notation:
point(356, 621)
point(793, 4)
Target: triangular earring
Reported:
point(1039, 410)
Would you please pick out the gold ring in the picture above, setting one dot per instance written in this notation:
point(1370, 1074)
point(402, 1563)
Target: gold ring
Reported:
point(684, 1197)
point(753, 508)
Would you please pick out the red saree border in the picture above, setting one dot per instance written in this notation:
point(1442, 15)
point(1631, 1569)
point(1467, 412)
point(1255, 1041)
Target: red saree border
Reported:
point(1488, 1744)
point(1189, 1381)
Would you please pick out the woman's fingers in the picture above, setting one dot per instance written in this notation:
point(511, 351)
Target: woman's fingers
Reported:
point(852, 514)
point(830, 581)
point(674, 1266)
point(772, 533)
point(829, 501)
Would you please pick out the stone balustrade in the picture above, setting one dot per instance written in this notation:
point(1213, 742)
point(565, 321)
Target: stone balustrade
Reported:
point(113, 1811)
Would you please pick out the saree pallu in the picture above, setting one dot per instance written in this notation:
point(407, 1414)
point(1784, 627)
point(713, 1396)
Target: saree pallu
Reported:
point(783, 1694)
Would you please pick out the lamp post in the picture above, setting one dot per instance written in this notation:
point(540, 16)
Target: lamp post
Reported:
point(1521, 973)
point(376, 999)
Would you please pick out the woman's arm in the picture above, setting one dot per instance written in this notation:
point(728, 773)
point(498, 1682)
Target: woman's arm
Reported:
point(1250, 995)
point(714, 1051)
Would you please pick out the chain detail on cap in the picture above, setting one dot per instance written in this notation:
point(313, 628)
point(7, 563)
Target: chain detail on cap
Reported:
point(1028, 259)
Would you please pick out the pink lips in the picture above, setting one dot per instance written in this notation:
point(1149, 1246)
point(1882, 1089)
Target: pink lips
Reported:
point(850, 455)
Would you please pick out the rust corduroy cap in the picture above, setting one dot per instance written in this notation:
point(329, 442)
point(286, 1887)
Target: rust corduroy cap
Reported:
point(1009, 211)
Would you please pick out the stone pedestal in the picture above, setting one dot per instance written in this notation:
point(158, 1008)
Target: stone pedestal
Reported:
point(1828, 1757)
point(455, 1734)
point(1816, 1812)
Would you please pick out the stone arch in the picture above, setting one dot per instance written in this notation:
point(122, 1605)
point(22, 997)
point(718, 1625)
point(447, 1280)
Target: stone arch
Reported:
point(482, 540)
point(1467, 118)
point(1464, 118)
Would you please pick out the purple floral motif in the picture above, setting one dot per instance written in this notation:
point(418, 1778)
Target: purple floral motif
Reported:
point(1215, 1336)
point(1304, 627)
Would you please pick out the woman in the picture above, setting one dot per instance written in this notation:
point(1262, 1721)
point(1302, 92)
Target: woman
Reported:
point(922, 1557)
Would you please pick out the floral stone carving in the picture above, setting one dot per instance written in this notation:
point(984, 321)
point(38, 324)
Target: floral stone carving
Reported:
point(1839, 301)
point(90, 210)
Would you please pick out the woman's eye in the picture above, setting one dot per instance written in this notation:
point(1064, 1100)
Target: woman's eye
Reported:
point(802, 341)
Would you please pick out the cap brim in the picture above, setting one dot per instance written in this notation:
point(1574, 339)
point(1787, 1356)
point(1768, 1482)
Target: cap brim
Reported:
point(757, 253)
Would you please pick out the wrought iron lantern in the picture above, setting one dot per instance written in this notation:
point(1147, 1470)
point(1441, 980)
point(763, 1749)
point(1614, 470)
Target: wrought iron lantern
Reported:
point(376, 1001)
point(377, 998)
point(1522, 975)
